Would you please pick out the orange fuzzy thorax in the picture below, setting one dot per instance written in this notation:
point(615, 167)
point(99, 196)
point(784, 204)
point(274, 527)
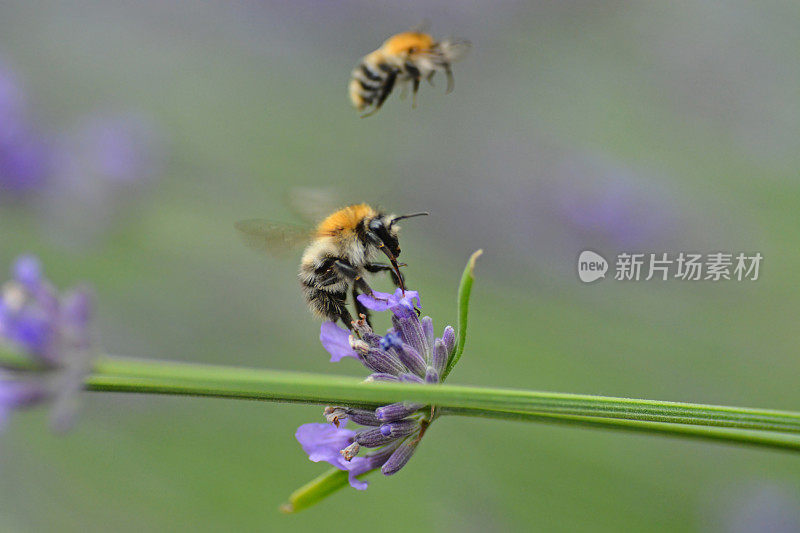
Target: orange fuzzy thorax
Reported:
point(345, 220)
point(403, 43)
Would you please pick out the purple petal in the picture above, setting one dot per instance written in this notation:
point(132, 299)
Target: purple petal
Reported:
point(356, 467)
point(322, 442)
point(408, 296)
point(336, 341)
point(399, 303)
point(377, 301)
point(403, 305)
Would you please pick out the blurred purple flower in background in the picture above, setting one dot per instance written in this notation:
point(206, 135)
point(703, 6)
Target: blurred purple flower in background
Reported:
point(609, 204)
point(119, 148)
point(407, 353)
point(51, 333)
point(25, 155)
point(753, 505)
point(102, 166)
point(553, 202)
point(82, 178)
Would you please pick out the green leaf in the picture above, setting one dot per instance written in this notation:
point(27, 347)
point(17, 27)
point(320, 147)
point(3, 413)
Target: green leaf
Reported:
point(464, 292)
point(315, 490)
point(318, 489)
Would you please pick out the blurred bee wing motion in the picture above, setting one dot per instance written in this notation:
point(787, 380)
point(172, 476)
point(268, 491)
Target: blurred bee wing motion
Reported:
point(313, 204)
point(455, 49)
point(423, 27)
point(272, 237)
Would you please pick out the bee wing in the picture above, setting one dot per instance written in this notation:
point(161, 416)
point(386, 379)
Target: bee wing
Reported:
point(312, 204)
point(423, 27)
point(453, 50)
point(274, 237)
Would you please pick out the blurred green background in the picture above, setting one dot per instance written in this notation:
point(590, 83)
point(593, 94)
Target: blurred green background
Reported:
point(574, 125)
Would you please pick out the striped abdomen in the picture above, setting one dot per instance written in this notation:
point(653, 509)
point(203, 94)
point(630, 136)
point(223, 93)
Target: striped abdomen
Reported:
point(324, 289)
point(371, 82)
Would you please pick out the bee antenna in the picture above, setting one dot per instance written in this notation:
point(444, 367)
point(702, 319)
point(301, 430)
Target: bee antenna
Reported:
point(401, 217)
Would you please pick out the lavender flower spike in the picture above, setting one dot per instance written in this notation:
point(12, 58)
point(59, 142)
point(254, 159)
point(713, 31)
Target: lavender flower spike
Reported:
point(51, 331)
point(407, 353)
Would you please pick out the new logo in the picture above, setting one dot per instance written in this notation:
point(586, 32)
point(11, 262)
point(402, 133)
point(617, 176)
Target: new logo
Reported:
point(591, 266)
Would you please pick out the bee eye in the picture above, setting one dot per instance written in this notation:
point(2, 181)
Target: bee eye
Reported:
point(375, 225)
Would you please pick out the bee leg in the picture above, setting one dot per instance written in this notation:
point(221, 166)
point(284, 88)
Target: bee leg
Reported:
point(415, 76)
point(380, 267)
point(353, 275)
point(360, 308)
point(451, 82)
point(345, 317)
point(378, 243)
point(429, 77)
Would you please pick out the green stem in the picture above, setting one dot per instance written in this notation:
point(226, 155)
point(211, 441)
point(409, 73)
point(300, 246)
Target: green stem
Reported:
point(765, 439)
point(131, 375)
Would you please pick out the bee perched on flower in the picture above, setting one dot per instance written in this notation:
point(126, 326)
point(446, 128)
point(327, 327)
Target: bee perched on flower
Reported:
point(403, 58)
point(409, 352)
point(50, 335)
point(341, 249)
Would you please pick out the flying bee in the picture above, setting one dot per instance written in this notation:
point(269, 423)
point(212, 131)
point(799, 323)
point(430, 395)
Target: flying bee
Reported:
point(339, 251)
point(403, 58)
